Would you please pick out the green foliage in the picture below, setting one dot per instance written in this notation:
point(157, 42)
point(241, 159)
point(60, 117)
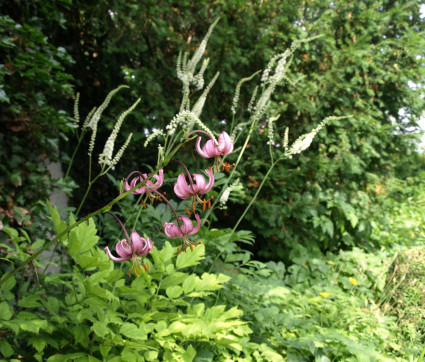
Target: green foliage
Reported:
point(321, 308)
point(98, 312)
point(343, 193)
point(34, 88)
point(402, 297)
point(362, 65)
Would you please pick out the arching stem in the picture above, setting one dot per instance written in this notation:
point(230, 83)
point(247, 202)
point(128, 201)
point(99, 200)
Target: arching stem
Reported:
point(187, 173)
point(122, 226)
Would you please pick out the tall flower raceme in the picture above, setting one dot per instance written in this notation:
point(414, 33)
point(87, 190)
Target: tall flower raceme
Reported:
point(149, 186)
point(211, 148)
point(131, 249)
point(182, 229)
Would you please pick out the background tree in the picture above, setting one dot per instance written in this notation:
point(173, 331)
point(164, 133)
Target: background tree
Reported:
point(362, 65)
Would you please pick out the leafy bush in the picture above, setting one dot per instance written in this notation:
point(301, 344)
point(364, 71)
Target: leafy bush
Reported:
point(34, 88)
point(94, 312)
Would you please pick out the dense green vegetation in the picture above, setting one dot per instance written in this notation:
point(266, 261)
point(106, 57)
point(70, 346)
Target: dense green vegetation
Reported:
point(327, 262)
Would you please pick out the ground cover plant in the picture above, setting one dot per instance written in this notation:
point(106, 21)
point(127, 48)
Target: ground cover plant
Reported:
point(153, 273)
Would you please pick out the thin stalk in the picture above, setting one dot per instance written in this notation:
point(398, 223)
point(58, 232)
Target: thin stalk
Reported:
point(421, 357)
point(256, 194)
point(247, 208)
point(75, 152)
point(86, 193)
point(90, 168)
point(171, 145)
point(51, 258)
point(187, 173)
point(122, 226)
point(172, 209)
point(139, 212)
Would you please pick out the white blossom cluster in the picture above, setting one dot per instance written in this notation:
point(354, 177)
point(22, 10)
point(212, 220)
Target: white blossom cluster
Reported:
point(186, 68)
point(158, 132)
point(94, 120)
point(238, 91)
point(285, 139)
point(187, 119)
point(274, 73)
point(178, 119)
point(251, 106)
point(199, 105)
point(270, 132)
point(279, 70)
point(121, 151)
point(304, 141)
point(76, 112)
point(225, 195)
point(106, 156)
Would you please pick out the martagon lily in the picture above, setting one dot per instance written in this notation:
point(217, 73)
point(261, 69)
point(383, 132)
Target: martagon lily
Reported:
point(192, 190)
point(174, 231)
point(139, 246)
point(211, 149)
point(131, 249)
point(149, 186)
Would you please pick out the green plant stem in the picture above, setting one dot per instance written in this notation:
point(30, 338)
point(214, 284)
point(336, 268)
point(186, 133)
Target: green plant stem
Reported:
point(256, 194)
point(86, 193)
point(74, 225)
point(139, 212)
point(51, 258)
point(75, 152)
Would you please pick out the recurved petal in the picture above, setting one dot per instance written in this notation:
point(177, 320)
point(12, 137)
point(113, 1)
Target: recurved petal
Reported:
point(123, 249)
point(198, 225)
point(187, 224)
point(210, 181)
point(225, 144)
point(134, 181)
point(138, 242)
point(148, 247)
point(210, 148)
point(159, 179)
point(181, 188)
point(113, 257)
point(171, 230)
point(201, 151)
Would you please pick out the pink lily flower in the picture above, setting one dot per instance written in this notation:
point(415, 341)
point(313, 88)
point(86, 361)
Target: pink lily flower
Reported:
point(185, 191)
point(210, 149)
point(174, 231)
point(126, 250)
point(149, 185)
